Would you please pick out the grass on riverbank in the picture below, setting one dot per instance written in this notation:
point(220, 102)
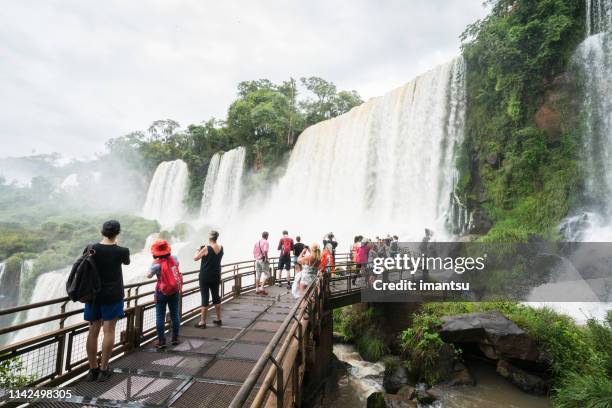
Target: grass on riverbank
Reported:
point(581, 355)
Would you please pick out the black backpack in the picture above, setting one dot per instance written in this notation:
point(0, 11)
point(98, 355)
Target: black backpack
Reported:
point(84, 282)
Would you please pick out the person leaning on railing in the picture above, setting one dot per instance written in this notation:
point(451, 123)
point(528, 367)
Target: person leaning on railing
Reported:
point(104, 311)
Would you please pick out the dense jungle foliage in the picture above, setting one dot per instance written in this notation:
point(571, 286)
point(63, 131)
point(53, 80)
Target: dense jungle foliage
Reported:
point(525, 177)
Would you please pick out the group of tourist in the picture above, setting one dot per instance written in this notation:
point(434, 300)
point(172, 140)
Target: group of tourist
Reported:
point(306, 261)
point(108, 306)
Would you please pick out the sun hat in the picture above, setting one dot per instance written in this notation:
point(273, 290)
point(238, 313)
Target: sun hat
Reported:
point(161, 248)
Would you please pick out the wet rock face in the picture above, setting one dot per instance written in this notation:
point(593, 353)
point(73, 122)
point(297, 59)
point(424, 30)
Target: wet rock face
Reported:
point(497, 336)
point(395, 378)
point(525, 381)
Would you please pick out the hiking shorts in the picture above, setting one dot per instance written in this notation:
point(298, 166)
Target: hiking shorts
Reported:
point(261, 268)
point(208, 290)
point(284, 262)
point(103, 311)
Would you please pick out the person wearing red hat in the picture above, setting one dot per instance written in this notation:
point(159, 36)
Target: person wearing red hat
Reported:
point(167, 290)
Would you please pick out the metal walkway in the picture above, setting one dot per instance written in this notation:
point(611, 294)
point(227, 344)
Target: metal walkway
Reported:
point(205, 370)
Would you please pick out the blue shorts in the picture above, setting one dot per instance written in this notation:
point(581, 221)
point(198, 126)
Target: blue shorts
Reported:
point(103, 311)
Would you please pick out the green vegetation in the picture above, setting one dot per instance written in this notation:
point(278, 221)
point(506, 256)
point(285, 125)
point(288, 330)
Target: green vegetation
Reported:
point(363, 329)
point(12, 374)
point(60, 240)
point(515, 57)
point(266, 118)
point(581, 355)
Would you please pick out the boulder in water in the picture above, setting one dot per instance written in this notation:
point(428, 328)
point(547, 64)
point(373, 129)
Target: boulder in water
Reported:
point(497, 336)
point(525, 381)
point(398, 401)
point(395, 377)
point(376, 400)
point(407, 391)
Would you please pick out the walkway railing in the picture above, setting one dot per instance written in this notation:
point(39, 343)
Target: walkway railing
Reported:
point(57, 353)
point(299, 333)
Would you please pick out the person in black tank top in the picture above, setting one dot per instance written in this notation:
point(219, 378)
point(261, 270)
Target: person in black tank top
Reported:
point(210, 276)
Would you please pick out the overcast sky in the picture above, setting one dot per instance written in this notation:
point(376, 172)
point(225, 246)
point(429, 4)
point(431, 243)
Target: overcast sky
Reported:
point(74, 73)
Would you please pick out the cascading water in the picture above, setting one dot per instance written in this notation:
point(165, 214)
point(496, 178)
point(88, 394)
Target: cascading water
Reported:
point(209, 184)
point(598, 16)
point(166, 193)
point(384, 167)
point(593, 62)
point(223, 186)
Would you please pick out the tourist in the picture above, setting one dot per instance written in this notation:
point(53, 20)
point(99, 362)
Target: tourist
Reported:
point(285, 246)
point(355, 255)
point(394, 247)
point(210, 276)
point(362, 256)
point(298, 247)
point(327, 260)
point(168, 290)
point(262, 263)
point(107, 307)
point(310, 259)
point(331, 240)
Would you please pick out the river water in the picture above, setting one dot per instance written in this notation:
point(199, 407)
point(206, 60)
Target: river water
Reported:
point(363, 378)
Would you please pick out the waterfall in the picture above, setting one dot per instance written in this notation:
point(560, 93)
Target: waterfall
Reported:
point(386, 164)
point(223, 186)
point(593, 63)
point(166, 193)
point(598, 16)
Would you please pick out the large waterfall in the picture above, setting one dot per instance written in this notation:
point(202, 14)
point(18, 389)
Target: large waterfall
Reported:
point(385, 167)
point(166, 193)
point(223, 186)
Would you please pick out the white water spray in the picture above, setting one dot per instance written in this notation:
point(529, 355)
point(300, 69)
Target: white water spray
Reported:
point(166, 193)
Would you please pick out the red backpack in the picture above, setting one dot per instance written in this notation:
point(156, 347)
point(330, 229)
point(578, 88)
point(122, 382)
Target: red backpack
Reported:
point(287, 245)
point(170, 278)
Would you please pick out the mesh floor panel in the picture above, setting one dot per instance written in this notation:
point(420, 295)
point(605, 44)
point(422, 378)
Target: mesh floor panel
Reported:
point(257, 336)
point(249, 307)
point(207, 395)
point(234, 322)
point(163, 362)
point(279, 310)
point(244, 350)
point(210, 332)
point(130, 387)
point(273, 317)
point(229, 370)
point(204, 346)
point(268, 326)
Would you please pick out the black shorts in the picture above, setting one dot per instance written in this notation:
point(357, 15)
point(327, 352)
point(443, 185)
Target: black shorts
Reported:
point(211, 289)
point(284, 261)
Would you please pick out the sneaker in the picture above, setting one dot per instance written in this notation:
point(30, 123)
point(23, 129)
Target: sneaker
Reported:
point(104, 375)
point(175, 341)
point(159, 344)
point(92, 375)
point(218, 322)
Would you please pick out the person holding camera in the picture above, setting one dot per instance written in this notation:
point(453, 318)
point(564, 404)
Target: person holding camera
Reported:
point(210, 277)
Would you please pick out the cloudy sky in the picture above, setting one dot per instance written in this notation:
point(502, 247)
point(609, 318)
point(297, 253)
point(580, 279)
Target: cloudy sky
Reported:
point(75, 73)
